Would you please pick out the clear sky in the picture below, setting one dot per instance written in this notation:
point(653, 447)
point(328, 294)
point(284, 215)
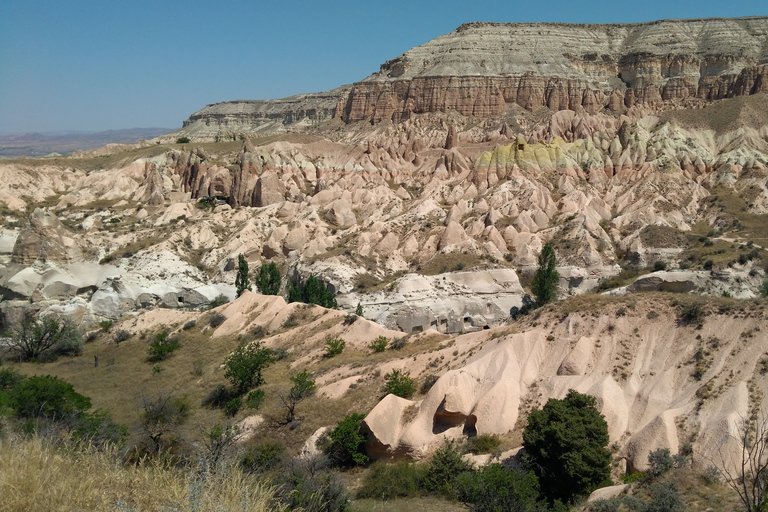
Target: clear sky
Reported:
point(109, 64)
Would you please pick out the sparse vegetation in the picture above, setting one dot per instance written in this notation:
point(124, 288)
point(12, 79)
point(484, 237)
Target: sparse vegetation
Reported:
point(399, 383)
point(161, 347)
point(379, 344)
point(334, 346)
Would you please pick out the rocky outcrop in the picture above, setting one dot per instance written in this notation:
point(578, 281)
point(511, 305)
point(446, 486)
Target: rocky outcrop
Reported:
point(481, 68)
point(46, 239)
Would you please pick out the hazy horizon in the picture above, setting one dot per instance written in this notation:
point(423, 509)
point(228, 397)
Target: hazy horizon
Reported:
point(90, 67)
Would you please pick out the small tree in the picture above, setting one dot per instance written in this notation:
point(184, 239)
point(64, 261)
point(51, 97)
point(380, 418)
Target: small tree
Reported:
point(303, 387)
point(245, 365)
point(268, 279)
point(544, 285)
point(566, 445)
point(242, 281)
point(163, 414)
point(359, 309)
point(749, 475)
point(35, 339)
point(399, 383)
point(348, 443)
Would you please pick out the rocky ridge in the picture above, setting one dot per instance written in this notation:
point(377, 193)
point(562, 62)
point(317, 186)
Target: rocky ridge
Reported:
point(484, 69)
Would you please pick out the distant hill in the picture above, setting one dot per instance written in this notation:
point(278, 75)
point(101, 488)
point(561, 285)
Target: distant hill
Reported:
point(38, 144)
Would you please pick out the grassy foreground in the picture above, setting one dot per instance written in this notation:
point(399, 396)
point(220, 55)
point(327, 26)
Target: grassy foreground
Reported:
point(35, 475)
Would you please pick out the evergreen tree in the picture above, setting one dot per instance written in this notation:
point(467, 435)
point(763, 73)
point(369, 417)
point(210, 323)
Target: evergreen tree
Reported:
point(359, 309)
point(242, 282)
point(268, 280)
point(544, 285)
point(565, 442)
point(315, 292)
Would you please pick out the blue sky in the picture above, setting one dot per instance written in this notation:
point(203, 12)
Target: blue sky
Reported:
point(110, 64)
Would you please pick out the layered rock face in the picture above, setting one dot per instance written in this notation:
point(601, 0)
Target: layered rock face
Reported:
point(482, 69)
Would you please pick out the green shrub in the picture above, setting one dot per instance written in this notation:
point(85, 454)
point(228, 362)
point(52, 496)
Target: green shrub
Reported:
point(567, 440)
point(242, 279)
point(100, 430)
point(255, 399)
point(262, 456)
point(484, 443)
point(105, 325)
point(182, 140)
point(232, 407)
point(659, 462)
point(245, 366)
point(191, 324)
point(386, 481)
point(379, 344)
point(498, 488)
point(334, 346)
point(764, 289)
point(399, 384)
point(47, 397)
point(444, 467)
point(692, 313)
point(665, 498)
point(348, 443)
point(9, 378)
point(161, 347)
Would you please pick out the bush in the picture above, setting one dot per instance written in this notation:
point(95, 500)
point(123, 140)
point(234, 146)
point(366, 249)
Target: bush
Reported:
point(182, 140)
point(259, 332)
point(659, 265)
point(386, 481)
point(47, 397)
point(399, 384)
point(334, 346)
point(659, 462)
point(100, 430)
point(216, 320)
point(484, 443)
point(255, 399)
point(44, 339)
point(105, 325)
point(496, 487)
point(444, 467)
point(244, 367)
point(310, 485)
point(693, 313)
point(665, 498)
point(429, 381)
point(232, 407)
point(218, 300)
point(764, 289)
point(317, 293)
point(348, 443)
point(262, 456)
point(191, 324)
point(121, 336)
point(162, 414)
point(218, 397)
point(398, 343)
point(379, 344)
point(161, 347)
point(567, 440)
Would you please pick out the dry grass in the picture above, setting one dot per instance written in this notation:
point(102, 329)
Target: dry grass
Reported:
point(418, 504)
point(34, 475)
point(449, 262)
